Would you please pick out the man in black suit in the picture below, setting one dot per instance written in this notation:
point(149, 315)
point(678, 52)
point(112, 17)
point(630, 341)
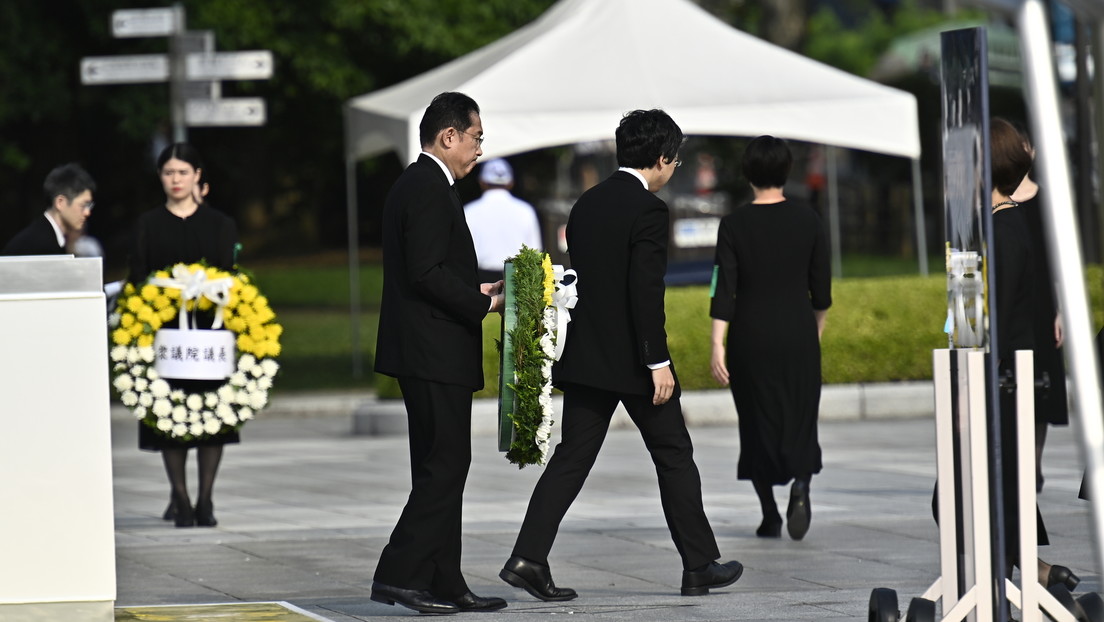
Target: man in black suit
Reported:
point(616, 351)
point(68, 192)
point(430, 338)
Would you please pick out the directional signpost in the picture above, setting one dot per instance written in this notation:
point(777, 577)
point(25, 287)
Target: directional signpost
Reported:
point(192, 68)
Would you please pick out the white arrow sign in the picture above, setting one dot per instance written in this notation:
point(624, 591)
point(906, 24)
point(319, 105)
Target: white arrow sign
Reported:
point(249, 65)
point(143, 23)
point(124, 69)
point(233, 111)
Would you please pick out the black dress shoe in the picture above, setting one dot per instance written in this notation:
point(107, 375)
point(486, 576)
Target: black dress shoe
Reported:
point(205, 514)
point(699, 582)
point(770, 528)
point(471, 602)
point(1064, 576)
point(170, 511)
point(799, 512)
point(185, 516)
point(418, 600)
point(534, 578)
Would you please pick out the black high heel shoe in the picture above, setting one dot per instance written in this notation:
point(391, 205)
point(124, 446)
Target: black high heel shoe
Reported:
point(170, 511)
point(205, 514)
point(770, 528)
point(184, 517)
point(1062, 575)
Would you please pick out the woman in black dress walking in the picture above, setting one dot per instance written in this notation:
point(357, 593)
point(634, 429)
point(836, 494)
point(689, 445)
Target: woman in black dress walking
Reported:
point(771, 292)
point(184, 230)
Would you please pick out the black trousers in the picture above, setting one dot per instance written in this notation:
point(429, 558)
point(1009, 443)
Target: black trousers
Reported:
point(424, 550)
point(586, 419)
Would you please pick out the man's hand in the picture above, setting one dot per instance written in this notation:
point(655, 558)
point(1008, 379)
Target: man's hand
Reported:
point(717, 365)
point(664, 382)
point(1059, 334)
point(494, 290)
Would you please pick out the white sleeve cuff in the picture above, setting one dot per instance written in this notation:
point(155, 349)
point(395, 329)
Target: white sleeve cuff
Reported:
point(660, 365)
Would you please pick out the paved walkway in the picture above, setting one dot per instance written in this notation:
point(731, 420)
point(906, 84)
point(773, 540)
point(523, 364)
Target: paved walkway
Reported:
point(305, 507)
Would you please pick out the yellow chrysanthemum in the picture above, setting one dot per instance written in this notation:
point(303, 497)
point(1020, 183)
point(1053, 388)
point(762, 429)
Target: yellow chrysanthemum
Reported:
point(257, 332)
point(161, 301)
point(245, 311)
point(120, 337)
point(155, 322)
point(245, 343)
point(167, 313)
point(161, 274)
point(274, 331)
point(266, 315)
point(274, 348)
point(236, 324)
point(205, 303)
point(134, 303)
point(189, 305)
point(128, 289)
point(195, 268)
point(145, 314)
point(173, 294)
point(214, 273)
point(136, 329)
point(248, 293)
point(145, 341)
point(149, 292)
point(126, 320)
point(549, 279)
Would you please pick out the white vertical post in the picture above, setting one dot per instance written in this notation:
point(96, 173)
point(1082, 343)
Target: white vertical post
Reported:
point(944, 453)
point(979, 475)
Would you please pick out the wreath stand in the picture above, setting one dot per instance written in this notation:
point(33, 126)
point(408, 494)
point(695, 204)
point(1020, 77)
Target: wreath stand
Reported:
point(966, 585)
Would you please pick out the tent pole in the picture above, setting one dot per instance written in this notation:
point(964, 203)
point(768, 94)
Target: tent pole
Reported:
point(918, 208)
point(833, 213)
point(354, 265)
point(1060, 227)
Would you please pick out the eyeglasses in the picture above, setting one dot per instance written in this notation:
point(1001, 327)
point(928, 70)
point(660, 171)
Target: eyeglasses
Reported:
point(88, 206)
point(478, 139)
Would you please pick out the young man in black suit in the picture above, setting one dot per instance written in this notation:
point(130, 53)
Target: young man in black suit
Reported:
point(68, 192)
point(616, 351)
point(430, 338)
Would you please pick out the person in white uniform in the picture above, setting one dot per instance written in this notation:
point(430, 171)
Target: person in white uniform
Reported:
point(500, 223)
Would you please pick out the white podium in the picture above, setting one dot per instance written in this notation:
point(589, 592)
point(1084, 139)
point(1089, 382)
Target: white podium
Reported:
point(57, 536)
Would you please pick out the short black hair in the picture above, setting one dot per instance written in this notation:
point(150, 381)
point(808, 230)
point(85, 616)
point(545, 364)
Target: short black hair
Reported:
point(767, 162)
point(1010, 158)
point(184, 152)
point(643, 136)
point(69, 181)
point(449, 109)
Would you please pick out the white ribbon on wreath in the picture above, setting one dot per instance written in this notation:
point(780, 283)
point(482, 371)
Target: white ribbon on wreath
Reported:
point(563, 299)
point(192, 286)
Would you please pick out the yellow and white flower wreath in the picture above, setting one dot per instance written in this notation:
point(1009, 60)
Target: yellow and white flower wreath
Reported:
point(142, 311)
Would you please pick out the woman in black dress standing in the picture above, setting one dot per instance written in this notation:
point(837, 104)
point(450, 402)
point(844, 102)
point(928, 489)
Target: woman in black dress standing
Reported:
point(771, 292)
point(184, 230)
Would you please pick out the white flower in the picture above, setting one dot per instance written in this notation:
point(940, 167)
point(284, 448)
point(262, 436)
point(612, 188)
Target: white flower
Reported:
point(132, 355)
point(264, 383)
point(226, 393)
point(124, 382)
point(545, 400)
point(270, 367)
point(146, 400)
point(140, 411)
point(237, 379)
point(207, 416)
point(159, 388)
point(119, 353)
point(177, 395)
point(193, 417)
point(196, 428)
point(224, 412)
point(258, 400)
point(179, 414)
point(130, 398)
point(246, 362)
point(547, 346)
point(245, 413)
point(138, 371)
point(113, 320)
point(212, 426)
point(210, 399)
point(164, 425)
point(147, 353)
point(230, 419)
point(136, 415)
point(141, 384)
point(546, 369)
point(161, 408)
point(152, 374)
point(194, 401)
point(242, 398)
point(544, 431)
point(118, 367)
point(179, 429)
point(251, 386)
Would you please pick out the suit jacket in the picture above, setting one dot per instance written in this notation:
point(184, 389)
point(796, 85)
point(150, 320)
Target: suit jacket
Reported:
point(617, 240)
point(431, 315)
point(38, 238)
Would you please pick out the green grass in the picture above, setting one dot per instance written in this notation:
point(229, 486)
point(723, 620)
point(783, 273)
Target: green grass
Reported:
point(879, 329)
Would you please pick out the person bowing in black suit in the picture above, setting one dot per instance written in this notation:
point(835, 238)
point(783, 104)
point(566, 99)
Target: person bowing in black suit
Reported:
point(68, 190)
point(616, 352)
point(430, 339)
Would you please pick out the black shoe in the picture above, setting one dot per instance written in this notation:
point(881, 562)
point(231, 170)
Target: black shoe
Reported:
point(170, 511)
point(418, 600)
point(534, 578)
point(205, 514)
point(1064, 576)
point(699, 582)
point(471, 602)
point(799, 513)
point(770, 528)
point(185, 516)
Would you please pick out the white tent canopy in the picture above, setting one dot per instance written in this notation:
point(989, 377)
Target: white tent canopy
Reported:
point(569, 76)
